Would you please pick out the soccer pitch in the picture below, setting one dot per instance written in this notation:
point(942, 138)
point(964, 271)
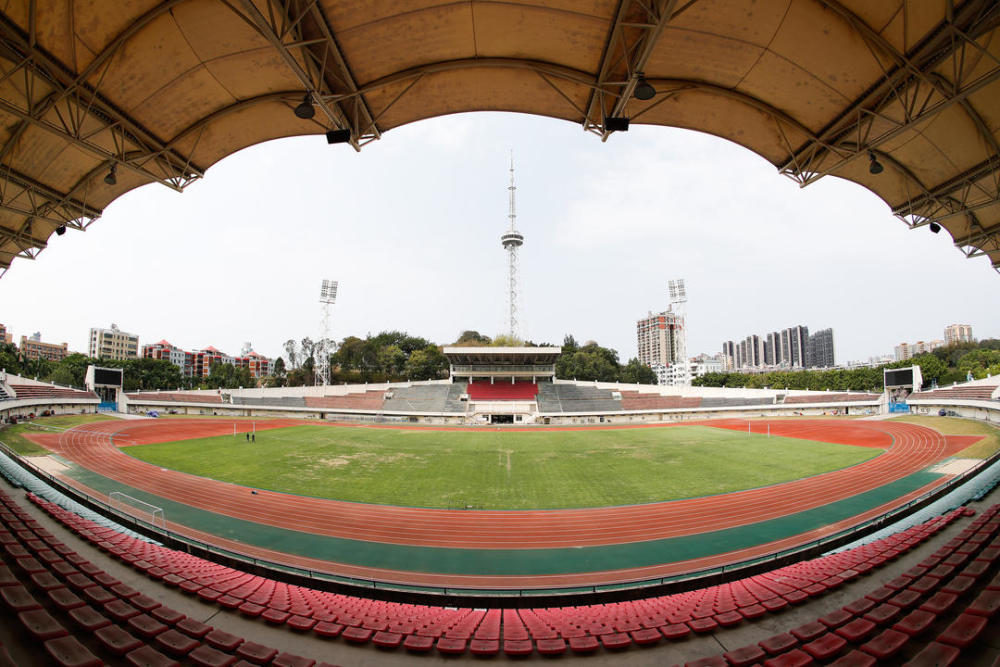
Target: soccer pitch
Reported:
point(487, 469)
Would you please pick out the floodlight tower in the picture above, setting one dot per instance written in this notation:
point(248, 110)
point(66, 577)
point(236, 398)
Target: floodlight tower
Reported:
point(327, 297)
point(511, 241)
point(678, 305)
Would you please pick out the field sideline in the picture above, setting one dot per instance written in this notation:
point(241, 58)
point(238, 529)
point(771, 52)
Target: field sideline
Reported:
point(545, 469)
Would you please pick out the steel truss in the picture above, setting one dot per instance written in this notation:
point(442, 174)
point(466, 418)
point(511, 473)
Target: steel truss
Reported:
point(637, 27)
point(299, 31)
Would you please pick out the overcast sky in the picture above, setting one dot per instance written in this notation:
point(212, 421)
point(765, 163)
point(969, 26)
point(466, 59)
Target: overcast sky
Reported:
point(411, 227)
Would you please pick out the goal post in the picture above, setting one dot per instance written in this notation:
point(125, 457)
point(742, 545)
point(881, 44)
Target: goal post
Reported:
point(126, 504)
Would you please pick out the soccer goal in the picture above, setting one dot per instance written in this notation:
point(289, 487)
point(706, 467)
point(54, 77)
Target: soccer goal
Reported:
point(126, 504)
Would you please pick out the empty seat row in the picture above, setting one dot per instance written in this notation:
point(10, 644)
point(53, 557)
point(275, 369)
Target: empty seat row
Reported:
point(931, 615)
point(548, 631)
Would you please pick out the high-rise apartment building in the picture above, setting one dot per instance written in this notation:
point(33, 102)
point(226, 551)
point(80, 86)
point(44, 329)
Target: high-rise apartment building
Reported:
point(34, 348)
point(819, 353)
point(657, 336)
point(958, 333)
point(788, 348)
point(5, 336)
point(113, 344)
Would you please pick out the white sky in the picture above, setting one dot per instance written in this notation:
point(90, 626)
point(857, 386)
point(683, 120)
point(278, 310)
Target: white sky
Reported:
point(411, 228)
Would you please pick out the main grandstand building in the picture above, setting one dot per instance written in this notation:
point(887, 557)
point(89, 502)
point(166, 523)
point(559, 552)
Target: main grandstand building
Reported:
point(97, 99)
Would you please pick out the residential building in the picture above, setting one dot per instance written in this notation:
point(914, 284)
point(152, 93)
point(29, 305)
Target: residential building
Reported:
point(113, 344)
point(199, 363)
point(905, 351)
point(787, 348)
point(657, 336)
point(819, 353)
point(34, 348)
point(958, 333)
point(5, 336)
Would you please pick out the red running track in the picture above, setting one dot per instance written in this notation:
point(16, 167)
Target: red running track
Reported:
point(909, 448)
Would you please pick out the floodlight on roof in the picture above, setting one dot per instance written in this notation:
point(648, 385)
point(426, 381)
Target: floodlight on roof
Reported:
point(338, 136)
point(112, 177)
point(305, 109)
point(935, 227)
point(60, 230)
point(328, 291)
point(644, 90)
point(615, 124)
point(874, 166)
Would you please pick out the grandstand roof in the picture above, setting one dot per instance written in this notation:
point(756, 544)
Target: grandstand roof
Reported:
point(160, 90)
point(502, 355)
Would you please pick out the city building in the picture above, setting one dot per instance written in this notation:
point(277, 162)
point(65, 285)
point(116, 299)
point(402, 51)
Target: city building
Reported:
point(199, 363)
point(958, 333)
point(5, 336)
point(113, 344)
point(787, 348)
point(658, 337)
point(819, 353)
point(905, 351)
point(34, 348)
point(671, 375)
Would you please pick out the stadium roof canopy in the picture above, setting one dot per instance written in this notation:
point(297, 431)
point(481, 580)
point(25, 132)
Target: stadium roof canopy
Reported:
point(97, 98)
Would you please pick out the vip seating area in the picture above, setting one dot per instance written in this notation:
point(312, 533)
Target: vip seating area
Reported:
point(482, 390)
point(46, 391)
point(830, 397)
point(174, 397)
point(71, 602)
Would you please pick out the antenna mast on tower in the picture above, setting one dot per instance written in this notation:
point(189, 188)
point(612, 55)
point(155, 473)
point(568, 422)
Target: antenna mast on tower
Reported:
point(511, 241)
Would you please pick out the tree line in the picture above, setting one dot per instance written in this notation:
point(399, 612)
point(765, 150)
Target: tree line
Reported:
point(943, 366)
point(385, 357)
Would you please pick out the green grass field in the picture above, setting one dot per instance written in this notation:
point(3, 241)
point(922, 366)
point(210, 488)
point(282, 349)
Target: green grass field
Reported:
point(503, 469)
point(13, 436)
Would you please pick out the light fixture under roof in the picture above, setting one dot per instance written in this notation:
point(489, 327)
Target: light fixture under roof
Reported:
point(874, 166)
point(305, 110)
point(644, 90)
point(112, 177)
point(338, 136)
point(935, 227)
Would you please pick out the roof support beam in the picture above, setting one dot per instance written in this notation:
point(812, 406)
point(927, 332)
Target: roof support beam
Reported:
point(637, 27)
point(75, 104)
point(908, 94)
point(298, 31)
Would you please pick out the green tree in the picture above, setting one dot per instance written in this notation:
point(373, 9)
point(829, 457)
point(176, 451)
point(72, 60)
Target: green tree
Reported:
point(636, 372)
point(391, 360)
point(426, 364)
point(471, 338)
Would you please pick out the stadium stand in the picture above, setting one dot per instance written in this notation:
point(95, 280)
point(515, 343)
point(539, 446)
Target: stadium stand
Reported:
point(829, 397)
point(4, 396)
point(421, 398)
point(44, 391)
point(978, 392)
point(722, 402)
point(367, 400)
point(174, 397)
point(572, 398)
point(634, 400)
point(271, 401)
point(502, 391)
point(80, 614)
point(454, 401)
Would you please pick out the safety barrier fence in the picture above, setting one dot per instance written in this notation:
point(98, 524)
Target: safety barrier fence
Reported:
point(501, 597)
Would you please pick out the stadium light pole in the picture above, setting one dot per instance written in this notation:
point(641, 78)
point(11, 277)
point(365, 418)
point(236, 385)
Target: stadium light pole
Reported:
point(327, 297)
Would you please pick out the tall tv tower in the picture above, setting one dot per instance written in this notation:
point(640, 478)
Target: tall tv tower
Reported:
point(512, 240)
